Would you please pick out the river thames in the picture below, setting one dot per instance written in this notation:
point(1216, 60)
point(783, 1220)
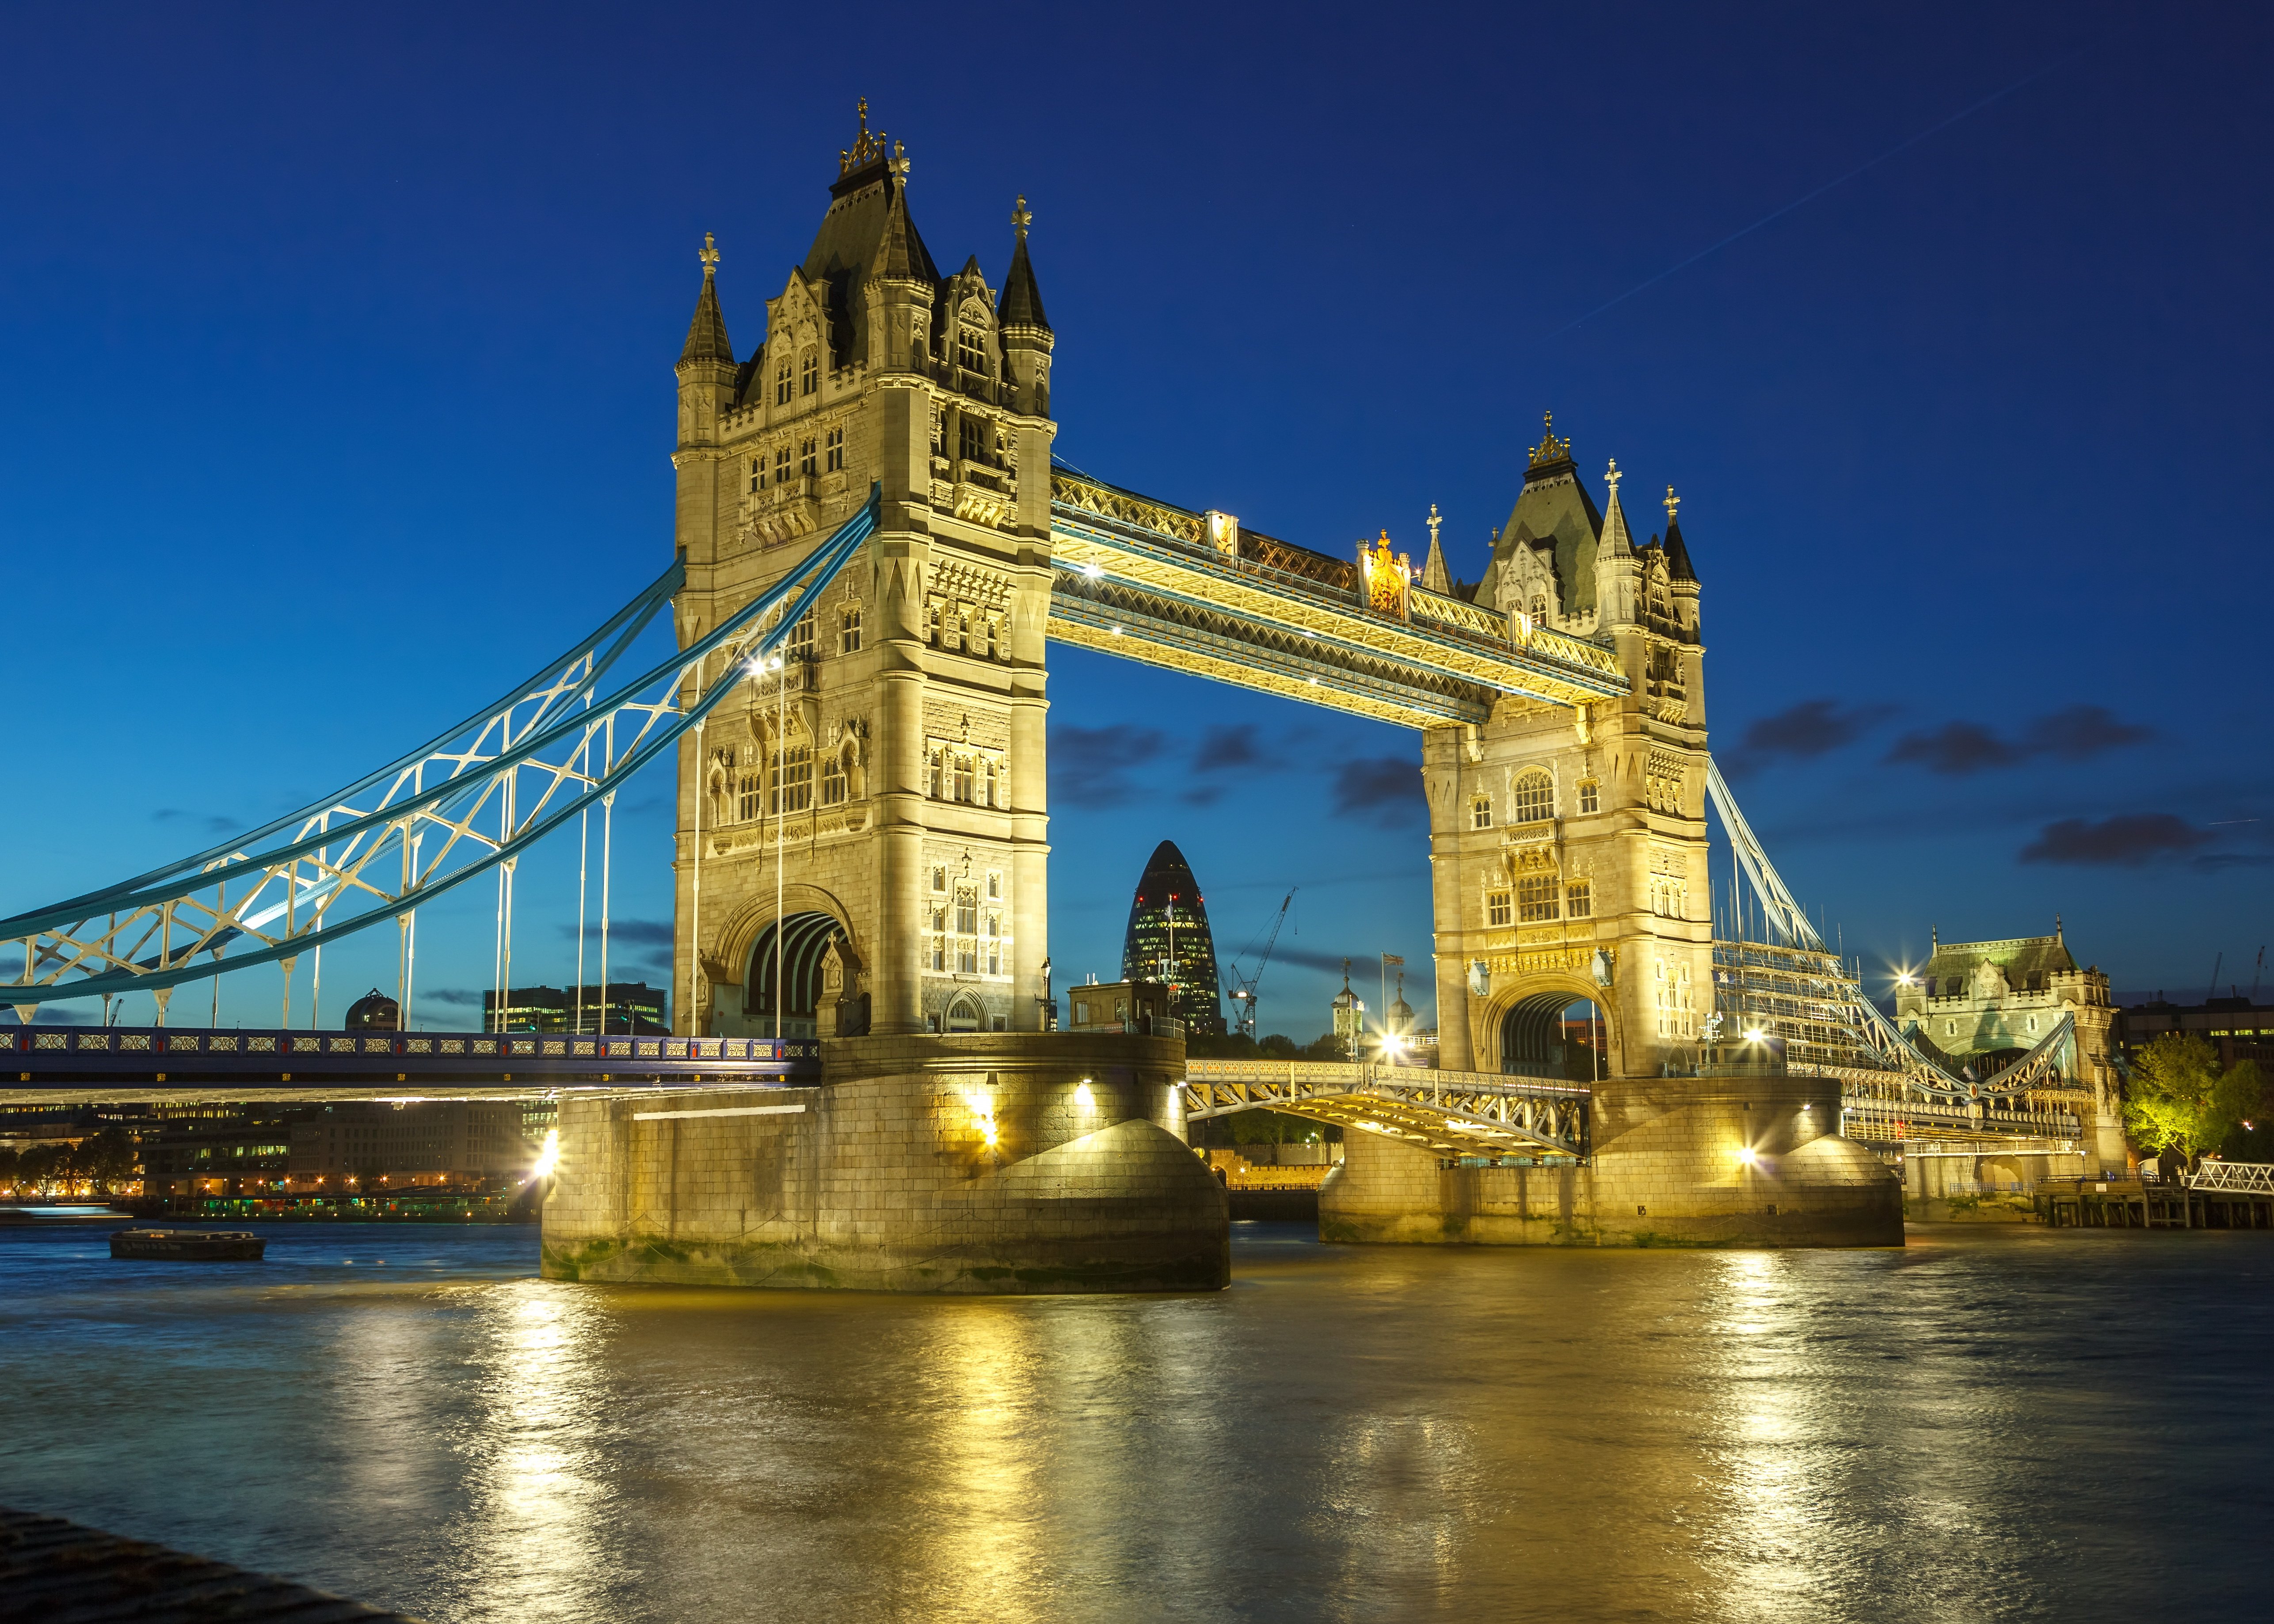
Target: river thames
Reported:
point(1991, 1424)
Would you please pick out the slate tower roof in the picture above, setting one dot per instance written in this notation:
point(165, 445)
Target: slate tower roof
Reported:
point(1553, 513)
point(867, 220)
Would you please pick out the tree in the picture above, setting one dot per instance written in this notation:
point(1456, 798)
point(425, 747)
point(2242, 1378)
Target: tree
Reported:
point(2181, 1100)
point(106, 1159)
point(39, 1167)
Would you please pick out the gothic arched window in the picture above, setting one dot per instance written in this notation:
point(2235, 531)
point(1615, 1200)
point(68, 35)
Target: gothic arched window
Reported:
point(1480, 813)
point(970, 349)
point(809, 373)
point(785, 381)
point(1590, 796)
point(1535, 797)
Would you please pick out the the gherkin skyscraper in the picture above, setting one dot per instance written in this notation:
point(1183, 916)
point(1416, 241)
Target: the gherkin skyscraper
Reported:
point(1167, 908)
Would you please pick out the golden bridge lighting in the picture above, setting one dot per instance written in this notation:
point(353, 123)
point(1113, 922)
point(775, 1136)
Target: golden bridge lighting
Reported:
point(548, 1156)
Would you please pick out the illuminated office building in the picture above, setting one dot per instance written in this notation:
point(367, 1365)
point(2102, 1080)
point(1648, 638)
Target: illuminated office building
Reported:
point(1167, 940)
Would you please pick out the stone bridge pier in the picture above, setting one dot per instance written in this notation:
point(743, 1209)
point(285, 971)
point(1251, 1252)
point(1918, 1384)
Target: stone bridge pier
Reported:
point(1025, 1162)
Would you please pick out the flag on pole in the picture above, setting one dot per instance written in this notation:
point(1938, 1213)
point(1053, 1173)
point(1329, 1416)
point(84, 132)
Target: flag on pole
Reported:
point(1393, 959)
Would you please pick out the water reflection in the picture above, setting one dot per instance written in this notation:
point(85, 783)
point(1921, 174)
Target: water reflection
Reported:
point(1971, 1429)
point(531, 1450)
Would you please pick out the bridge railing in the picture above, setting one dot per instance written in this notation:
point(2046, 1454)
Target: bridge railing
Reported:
point(1296, 1073)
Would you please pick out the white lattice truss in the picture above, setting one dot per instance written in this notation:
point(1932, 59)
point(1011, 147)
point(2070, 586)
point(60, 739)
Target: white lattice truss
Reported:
point(1891, 1089)
point(1453, 1114)
point(2235, 1177)
point(456, 807)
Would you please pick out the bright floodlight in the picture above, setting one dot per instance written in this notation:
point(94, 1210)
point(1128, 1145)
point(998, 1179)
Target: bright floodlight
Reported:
point(548, 1156)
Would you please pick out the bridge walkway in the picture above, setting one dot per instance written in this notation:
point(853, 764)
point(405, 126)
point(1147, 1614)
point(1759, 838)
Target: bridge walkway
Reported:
point(1144, 580)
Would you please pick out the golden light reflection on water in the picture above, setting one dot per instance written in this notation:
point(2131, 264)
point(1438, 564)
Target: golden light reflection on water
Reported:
point(1345, 1434)
point(978, 1539)
point(534, 1528)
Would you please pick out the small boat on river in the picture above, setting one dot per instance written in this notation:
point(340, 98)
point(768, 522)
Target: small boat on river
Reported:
point(188, 1245)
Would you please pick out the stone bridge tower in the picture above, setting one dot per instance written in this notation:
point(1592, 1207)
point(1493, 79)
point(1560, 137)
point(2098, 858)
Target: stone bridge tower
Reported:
point(897, 764)
point(1568, 845)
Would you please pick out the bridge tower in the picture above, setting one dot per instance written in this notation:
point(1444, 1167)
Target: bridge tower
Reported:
point(889, 784)
point(1568, 843)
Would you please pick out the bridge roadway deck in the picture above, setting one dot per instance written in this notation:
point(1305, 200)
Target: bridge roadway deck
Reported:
point(128, 1064)
point(1453, 1114)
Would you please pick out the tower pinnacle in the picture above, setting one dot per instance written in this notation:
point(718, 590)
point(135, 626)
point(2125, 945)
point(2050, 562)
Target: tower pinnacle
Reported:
point(706, 334)
point(1434, 576)
point(1617, 543)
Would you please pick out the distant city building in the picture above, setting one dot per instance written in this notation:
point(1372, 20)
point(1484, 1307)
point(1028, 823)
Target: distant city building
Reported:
point(1167, 940)
point(2239, 1028)
point(435, 1141)
point(1979, 1006)
point(1349, 1011)
point(629, 1006)
point(245, 1153)
point(374, 1012)
point(1116, 1006)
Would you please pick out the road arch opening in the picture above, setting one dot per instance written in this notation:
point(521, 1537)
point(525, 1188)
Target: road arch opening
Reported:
point(800, 940)
point(1555, 1036)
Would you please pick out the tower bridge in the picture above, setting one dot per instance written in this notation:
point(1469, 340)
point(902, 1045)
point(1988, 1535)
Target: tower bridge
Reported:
point(876, 546)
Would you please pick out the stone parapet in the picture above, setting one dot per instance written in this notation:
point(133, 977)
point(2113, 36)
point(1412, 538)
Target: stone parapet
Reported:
point(994, 1162)
point(1671, 1167)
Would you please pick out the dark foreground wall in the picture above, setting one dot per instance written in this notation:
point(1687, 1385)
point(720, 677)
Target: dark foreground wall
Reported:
point(1667, 1170)
point(883, 1178)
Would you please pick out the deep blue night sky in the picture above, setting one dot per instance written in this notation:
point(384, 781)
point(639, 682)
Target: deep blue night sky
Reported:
point(337, 346)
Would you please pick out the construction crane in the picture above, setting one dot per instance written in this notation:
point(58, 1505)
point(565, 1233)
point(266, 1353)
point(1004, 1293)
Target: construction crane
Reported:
point(1243, 986)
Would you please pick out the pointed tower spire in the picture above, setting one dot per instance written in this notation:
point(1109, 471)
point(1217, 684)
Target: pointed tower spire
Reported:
point(1432, 570)
point(1027, 336)
point(1021, 302)
point(1677, 556)
point(900, 255)
point(706, 334)
point(1618, 542)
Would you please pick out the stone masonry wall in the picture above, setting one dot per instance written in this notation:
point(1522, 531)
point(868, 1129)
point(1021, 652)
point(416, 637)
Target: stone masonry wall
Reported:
point(882, 1177)
point(1666, 1171)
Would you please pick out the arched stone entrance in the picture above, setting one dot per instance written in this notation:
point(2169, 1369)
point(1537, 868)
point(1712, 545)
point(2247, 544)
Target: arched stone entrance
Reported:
point(802, 938)
point(1556, 1033)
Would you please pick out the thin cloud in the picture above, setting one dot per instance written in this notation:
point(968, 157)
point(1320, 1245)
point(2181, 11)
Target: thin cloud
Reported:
point(633, 933)
point(2126, 841)
point(206, 821)
point(2214, 862)
point(1811, 728)
point(1304, 958)
point(1958, 748)
point(2082, 731)
point(1089, 764)
point(452, 995)
point(1229, 749)
point(1387, 785)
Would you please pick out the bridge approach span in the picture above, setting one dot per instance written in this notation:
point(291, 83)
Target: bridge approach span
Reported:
point(1453, 1114)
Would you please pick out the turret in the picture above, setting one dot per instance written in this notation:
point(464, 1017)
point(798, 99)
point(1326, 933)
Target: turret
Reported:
point(898, 288)
point(1618, 573)
point(1024, 329)
point(706, 362)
